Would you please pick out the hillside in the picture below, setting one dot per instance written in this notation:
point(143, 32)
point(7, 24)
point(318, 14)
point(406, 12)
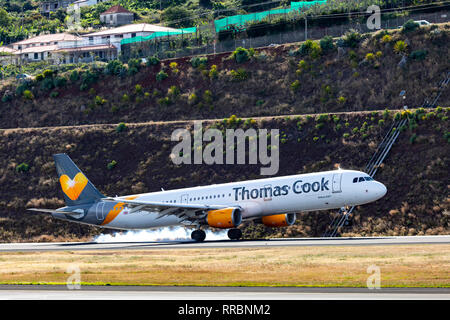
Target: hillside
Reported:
point(415, 172)
point(355, 73)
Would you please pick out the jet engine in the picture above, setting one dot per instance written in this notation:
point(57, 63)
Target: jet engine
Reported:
point(279, 220)
point(224, 218)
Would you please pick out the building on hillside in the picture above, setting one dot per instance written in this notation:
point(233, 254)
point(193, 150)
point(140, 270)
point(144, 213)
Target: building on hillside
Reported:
point(53, 5)
point(116, 16)
point(63, 48)
point(103, 52)
point(41, 48)
point(60, 48)
point(7, 56)
point(116, 35)
point(85, 3)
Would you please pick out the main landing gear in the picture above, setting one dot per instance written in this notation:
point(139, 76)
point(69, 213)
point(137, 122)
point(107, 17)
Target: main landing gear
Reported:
point(235, 234)
point(198, 235)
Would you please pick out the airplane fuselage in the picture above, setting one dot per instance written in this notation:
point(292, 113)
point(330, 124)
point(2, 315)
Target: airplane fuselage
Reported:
point(255, 198)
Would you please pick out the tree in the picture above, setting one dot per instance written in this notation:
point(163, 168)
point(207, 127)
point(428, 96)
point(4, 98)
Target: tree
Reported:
point(5, 19)
point(177, 17)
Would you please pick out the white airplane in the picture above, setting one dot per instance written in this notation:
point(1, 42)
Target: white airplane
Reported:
point(272, 201)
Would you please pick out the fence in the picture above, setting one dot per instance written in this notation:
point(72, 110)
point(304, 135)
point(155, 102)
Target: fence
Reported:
point(201, 44)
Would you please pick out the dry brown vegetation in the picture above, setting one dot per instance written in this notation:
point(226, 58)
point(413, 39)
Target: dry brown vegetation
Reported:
point(405, 266)
point(416, 203)
point(333, 82)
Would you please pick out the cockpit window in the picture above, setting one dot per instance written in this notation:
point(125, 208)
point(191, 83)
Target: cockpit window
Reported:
point(361, 179)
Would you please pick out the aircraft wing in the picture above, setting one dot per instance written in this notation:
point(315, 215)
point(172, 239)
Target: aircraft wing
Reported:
point(187, 211)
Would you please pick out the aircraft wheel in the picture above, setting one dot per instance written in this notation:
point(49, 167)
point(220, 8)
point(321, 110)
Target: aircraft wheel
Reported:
point(198, 235)
point(235, 234)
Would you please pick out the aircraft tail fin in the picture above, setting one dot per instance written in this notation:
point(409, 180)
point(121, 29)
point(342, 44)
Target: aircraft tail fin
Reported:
point(76, 187)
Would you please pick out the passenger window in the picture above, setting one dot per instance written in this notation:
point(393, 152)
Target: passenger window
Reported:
point(355, 180)
point(367, 178)
point(361, 179)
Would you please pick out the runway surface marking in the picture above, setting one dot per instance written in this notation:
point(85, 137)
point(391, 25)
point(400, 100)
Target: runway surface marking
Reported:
point(185, 244)
point(8, 292)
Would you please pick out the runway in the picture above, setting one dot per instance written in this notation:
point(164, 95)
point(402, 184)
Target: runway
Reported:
point(43, 292)
point(188, 244)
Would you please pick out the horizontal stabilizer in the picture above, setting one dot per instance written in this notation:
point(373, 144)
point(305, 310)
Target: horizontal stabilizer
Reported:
point(52, 211)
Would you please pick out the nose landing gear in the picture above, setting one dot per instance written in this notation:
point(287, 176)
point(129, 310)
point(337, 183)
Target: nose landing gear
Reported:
point(198, 235)
point(235, 234)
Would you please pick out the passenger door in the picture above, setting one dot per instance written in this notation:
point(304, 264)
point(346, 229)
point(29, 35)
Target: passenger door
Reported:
point(337, 177)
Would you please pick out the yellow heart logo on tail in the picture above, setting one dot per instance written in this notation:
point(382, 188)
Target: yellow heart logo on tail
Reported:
point(73, 187)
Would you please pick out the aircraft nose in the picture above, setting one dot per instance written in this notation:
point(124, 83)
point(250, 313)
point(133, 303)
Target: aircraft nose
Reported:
point(380, 190)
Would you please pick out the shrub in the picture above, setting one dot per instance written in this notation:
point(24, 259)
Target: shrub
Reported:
point(207, 96)
point(352, 39)
point(342, 100)
point(400, 46)
point(74, 76)
point(111, 165)
point(54, 94)
point(60, 82)
point(7, 96)
point(164, 101)
point(174, 67)
point(28, 95)
point(295, 85)
point(125, 98)
point(87, 78)
point(192, 98)
point(311, 48)
point(239, 74)
point(21, 88)
point(418, 54)
point(173, 91)
point(23, 167)
point(134, 63)
point(326, 43)
point(370, 57)
point(47, 84)
point(302, 65)
point(121, 127)
point(320, 125)
point(160, 76)
point(99, 101)
point(241, 55)
point(47, 73)
point(39, 77)
point(410, 26)
point(152, 61)
point(138, 89)
point(381, 122)
point(114, 67)
point(346, 135)
point(213, 73)
point(199, 61)
point(386, 38)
